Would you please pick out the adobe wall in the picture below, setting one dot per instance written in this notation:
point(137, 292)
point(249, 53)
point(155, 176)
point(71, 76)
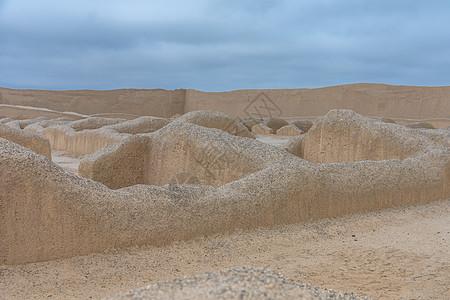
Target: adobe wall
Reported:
point(54, 214)
point(367, 99)
point(21, 113)
point(413, 102)
point(91, 134)
point(36, 142)
point(64, 138)
point(354, 138)
point(173, 155)
point(156, 102)
point(119, 165)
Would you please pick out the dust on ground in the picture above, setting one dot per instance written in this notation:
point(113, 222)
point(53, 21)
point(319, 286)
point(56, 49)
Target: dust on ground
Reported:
point(399, 253)
point(68, 161)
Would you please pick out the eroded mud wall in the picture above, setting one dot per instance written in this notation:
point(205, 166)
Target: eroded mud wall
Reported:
point(413, 102)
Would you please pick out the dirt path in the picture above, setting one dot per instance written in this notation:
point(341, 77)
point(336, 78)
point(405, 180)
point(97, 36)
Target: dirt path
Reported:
point(69, 162)
point(274, 140)
point(393, 254)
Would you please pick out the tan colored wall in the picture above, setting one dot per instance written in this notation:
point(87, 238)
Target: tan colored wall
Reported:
point(218, 120)
point(157, 102)
point(367, 99)
point(83, 142)
point(65, 138)
point(179, 155)
point(36, 142)
point(119, 165)
point(413, 102)
point(342, 135)
point(53, 214)
point(143, 124)
point(19, 113)
point(183, 153)
point(91, 134)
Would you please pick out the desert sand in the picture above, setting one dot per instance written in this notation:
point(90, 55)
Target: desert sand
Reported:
point(98, 199)
point(68, 161)
point(397, 253)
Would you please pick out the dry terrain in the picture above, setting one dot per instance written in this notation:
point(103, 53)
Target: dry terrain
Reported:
point(399, 253)
point(338, 193)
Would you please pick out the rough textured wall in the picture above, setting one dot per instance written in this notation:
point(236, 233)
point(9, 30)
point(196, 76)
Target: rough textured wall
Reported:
point(343, 135)
point(178, 155)
point(91, 134)
point(214, 119)
point(65, 138)
point(36, 142)
point(18, 113)
point(367, 99)
point(53, 214)
point(185, 153)
point(119, 165)
point(157, 102)
point(143, 124)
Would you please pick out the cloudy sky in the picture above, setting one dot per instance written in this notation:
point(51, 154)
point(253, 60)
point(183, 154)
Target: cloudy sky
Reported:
point(214, 45)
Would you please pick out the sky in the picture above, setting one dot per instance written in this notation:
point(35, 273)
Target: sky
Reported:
point(213, 45)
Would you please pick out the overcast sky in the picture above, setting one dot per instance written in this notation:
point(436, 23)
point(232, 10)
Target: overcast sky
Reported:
point(222, 45)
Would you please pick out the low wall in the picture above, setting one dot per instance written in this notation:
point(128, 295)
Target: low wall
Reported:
point(36, 142)
point(119, 165)
point(53, 214)
point(65, 138)
point(91, 134)
point(23, 112)
point(178, 150)
point(342, 135)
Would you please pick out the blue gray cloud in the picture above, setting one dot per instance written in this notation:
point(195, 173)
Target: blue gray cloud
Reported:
point(222, 45)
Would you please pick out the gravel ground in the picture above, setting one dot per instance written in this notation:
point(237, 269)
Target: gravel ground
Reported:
point(234, 283)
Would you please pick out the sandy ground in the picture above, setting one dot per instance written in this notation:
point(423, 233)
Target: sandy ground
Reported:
point(272, 139)
point(400, 253)
point(67, 161)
